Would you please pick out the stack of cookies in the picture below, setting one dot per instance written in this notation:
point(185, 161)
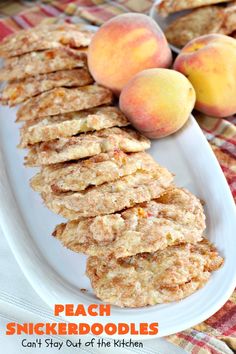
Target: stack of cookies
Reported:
point(143, 235)
point(206, 17)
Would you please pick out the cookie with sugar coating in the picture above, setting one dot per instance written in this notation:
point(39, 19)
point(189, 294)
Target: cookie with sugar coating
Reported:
point(166, 7)
point(201, 21)
point(63, 100)
point(94, 171)
point(69, 124)
point(19, 91)
point(86, 145)
point(43, 62)
point(110, 197)
point(44, 37)
point(175, 217)
point(153, 278)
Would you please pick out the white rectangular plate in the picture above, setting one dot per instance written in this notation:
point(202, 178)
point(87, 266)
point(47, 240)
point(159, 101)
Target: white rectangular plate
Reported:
point(57, 274)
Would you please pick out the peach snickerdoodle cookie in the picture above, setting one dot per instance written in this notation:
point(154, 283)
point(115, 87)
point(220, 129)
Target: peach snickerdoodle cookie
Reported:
point(153, 278)
point(177, 216)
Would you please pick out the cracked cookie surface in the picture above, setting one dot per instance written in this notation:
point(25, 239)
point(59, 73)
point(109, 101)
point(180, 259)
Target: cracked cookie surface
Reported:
point(70, 124)
point(86, 145)
point(153, 278)
point(177, 216)
point(110, 197)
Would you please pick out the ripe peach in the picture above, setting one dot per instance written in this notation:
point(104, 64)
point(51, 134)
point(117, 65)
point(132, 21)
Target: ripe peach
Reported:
point(158, 101)
point(209, 62)
point(124, 46)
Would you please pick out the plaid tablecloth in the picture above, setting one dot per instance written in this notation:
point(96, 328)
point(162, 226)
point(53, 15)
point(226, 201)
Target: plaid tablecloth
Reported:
point(216, 335)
